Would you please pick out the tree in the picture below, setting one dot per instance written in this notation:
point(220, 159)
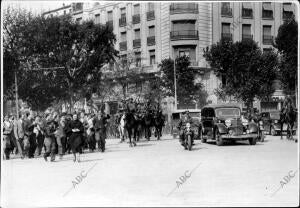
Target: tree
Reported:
point(287, 44)
point(247, 73)
point(188, 90)
point(80, 50)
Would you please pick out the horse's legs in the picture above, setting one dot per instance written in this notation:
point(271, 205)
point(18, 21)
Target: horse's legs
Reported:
point(281, 127)
point(129, 135)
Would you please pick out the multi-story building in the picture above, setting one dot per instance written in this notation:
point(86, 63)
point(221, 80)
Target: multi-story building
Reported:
point(64, 10)
point(151, 32)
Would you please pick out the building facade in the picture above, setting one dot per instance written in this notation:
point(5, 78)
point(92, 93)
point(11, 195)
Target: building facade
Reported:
point(150, 32)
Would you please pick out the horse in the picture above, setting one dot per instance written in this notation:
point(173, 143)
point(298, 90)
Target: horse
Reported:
point(288, 115)
point(148, 121)
point(130, 127)
point(158, 122)
point(139, 125)
point(121, 128)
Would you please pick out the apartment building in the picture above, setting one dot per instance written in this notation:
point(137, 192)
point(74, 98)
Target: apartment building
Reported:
point(64, 10)
point(259, 21)
point(150, 32)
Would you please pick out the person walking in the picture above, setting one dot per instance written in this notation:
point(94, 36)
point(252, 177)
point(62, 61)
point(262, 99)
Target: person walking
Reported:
point(75, 140)
point(101, 126)
point(7, 134)
point(60, 136)
point(50, 140)
point(19, 134)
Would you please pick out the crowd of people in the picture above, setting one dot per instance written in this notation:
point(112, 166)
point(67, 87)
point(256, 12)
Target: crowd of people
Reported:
point(61, 133)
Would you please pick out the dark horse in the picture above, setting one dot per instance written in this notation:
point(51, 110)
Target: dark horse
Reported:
point(130, 124)
point(148, 121)
point(158, 122)
point(139, 125)
point(288, 115)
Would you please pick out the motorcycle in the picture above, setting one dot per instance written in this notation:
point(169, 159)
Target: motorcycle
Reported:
point(188, 137)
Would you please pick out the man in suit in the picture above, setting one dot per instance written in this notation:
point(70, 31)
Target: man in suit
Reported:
point(19, 134)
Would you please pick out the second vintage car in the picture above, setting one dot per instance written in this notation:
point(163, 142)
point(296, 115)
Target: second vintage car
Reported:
point(223, 122)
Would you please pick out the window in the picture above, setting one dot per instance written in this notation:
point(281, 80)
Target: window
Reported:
point(225, 9)
point(184, 53)
point(151, 31)
point(183, 26)
point(246, 31)
point(287, 10)
point(136, 9)
point(124, 60)
point(247, 10)
point(267, 37)
point(137, 33)
point(150, 7)
point(226, 31)
point(123, 36)
point(267, 11)
point(152, 57)
point(123, 12)
point(97, 18)
point(267, 50)
point(137, 59)
point(110, 16)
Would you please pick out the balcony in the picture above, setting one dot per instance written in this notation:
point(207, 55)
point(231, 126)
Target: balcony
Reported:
point(184, 35)
point(226, 36)
point(181, 8)
point(136, 43)
point(136, 19)
point(226, 12)
point(150, 15)
point(122, 21)
point(151, 41)
point(267, 39)
point(123, 46)
point(110, 24)
point(247, 13)
point(267, 14)
point(247, 37)
point(287, 15)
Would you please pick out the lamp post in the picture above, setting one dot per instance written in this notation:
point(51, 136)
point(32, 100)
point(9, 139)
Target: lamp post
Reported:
point(175, 87)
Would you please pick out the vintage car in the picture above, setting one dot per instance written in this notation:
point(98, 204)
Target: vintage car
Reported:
point(223, 122)
point(271, 123)
point(176, 116)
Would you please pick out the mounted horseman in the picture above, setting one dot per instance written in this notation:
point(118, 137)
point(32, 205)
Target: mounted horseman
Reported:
point(288, 115)
point(158, 121)
point(148, 119)
point(130, 121)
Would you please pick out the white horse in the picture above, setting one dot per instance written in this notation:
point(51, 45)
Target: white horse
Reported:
point(121, 128)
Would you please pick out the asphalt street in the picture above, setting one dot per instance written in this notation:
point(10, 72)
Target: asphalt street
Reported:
point(159, 173)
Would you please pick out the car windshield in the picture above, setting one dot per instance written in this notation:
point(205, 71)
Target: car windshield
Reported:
point(275, 115)
point(228, 112)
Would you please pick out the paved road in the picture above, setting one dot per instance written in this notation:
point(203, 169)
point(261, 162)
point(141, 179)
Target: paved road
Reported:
point(149, 175)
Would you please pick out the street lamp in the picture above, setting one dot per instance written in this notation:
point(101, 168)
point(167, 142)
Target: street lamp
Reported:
point(175, 87)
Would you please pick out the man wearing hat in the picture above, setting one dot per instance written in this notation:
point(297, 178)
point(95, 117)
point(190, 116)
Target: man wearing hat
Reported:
point(186, 118)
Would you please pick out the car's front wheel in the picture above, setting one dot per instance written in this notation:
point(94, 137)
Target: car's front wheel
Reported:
point(219, 140)
point(252, 141)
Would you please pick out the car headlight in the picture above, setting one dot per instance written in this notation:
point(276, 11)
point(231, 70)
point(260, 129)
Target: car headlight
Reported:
point(228, 122)
point(276, 121)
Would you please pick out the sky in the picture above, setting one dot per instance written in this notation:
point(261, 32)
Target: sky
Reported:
point(36, 6)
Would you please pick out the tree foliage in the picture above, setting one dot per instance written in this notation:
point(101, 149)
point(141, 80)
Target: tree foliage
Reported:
point(79, 50)
point(287, 44)
point(188, 90)
point(246, 71)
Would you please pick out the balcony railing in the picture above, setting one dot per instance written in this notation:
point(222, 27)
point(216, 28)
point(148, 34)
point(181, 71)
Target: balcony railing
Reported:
point(179, 8)
point(136, 19)
point(268, 39)
point(226, 36)
point(287, 15)
point(247, 37)
point(226, 12)
point(110, 23)
point(136, 43)
point(247, 13)
point(122, 21)
point(267, 14)
point(123, 46)
point(150, 40)
point(150, 15)
point(184, 35)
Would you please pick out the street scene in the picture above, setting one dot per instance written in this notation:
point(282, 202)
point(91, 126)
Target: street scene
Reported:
point(149, 104)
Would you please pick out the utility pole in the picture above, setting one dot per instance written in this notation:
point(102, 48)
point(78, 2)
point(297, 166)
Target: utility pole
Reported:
point(175, 84)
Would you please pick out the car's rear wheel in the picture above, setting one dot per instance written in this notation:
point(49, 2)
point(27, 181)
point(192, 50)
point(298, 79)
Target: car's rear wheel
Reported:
point(252, 141)
point(273, 132)
point(219, 140)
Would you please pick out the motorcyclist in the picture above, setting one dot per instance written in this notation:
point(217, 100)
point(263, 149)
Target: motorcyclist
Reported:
point(186, 118)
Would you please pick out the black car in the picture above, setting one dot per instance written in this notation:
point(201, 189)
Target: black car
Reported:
point(271, 123)
point(224, 122)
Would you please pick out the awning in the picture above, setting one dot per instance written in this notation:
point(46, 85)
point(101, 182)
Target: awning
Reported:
point(287, 8)
point(247, 5)
point(267, 6)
